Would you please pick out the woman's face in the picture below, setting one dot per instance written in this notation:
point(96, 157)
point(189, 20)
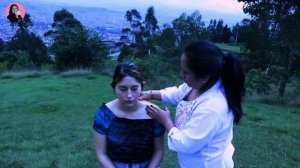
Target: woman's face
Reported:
point(14, 9)
point(128, 91)
point(188, 76)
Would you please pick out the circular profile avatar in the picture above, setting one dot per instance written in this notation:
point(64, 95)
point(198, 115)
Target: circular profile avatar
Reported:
point(15, 12)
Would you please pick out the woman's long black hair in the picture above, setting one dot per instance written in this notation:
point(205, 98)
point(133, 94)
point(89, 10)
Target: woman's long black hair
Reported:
point(206, 59)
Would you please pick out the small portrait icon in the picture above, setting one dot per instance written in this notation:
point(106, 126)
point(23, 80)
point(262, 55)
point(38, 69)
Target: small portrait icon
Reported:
point(15, 12)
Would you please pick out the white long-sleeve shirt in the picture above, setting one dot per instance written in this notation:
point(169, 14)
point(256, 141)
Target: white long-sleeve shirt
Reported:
point(204, 137)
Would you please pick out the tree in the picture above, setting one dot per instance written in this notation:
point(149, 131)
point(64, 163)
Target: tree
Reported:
point(27, 22)
point(2, 45)
point(27, 41)
point(226, 34)
point(219, 31)
point(8, 58)
point(30, 43)
point(126, 51)
point(166, 44)
point(235, 33)
point(134, 18)
point(140, 33)
point(212, 29)
point(73, 45)
point(278, 22)
point(189, 28)
point(151, 22)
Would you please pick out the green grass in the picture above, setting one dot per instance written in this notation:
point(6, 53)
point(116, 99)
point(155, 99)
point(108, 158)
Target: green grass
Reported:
point(47, 122)
point(268, 136)
point(229, 47)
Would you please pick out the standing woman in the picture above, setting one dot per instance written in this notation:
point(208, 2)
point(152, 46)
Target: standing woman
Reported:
point(125, 136)
point(208, 103)
point(14, 14)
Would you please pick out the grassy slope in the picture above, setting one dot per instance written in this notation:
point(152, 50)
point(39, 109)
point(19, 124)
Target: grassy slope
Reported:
point(229, 47)
point(47, 122)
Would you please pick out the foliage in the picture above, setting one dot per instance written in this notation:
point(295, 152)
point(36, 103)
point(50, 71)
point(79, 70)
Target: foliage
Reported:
point(134, 33)
point(189, 28)
point(28, 42)
point(140, 34)
point(23, 62)
point(219, 32)
point(108, 68)
point(151, 26)
point(8, 58)
point(74, 46)
point(153, 65)
point(126, 51)
point(27, 22)
point(276, 74)
point(2, 67)
point(256, 80)
point(2, 45)
point(272, 35)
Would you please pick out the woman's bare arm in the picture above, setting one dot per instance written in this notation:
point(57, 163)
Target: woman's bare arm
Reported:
point(158, 152)
point(100, 142)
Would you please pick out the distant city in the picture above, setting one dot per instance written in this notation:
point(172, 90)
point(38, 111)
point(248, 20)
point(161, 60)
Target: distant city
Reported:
point(107, 22)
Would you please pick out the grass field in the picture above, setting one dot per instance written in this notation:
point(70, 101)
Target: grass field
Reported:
point(229, 47)
point(47, 122)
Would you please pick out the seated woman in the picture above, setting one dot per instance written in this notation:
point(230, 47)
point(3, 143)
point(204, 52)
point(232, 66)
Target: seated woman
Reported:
point(125, 135)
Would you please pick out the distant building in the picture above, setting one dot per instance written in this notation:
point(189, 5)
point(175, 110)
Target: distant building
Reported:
point(114, 56)
point(114, 48)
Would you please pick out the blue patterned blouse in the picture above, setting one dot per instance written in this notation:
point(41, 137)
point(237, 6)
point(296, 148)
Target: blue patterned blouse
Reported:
point(128, 140)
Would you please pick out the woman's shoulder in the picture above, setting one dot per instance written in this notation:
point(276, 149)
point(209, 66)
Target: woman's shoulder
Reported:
point(145, 103)
point(105, 110)
point(102, 119)
point(111, 105)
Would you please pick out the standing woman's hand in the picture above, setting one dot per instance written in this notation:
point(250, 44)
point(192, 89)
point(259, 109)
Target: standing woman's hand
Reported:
point(146, 95)
point(163, 116)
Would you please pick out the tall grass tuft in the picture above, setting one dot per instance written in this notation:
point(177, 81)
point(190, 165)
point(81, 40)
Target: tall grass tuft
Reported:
point(76, 72)
point(24, 74)
point(290, 98)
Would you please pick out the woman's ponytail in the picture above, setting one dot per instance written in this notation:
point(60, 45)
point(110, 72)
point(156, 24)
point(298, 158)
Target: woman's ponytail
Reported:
point(233, 79)
point(206, 59)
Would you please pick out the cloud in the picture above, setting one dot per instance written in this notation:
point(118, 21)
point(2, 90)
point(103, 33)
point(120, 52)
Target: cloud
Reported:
point(222, 6)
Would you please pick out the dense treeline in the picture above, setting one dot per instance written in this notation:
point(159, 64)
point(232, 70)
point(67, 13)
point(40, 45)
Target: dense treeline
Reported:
point(269, 41)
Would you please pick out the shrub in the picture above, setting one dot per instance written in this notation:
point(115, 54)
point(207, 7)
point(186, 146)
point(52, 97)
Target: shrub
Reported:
point(23, 62)
point(107, 68)
point(156, 72)
point(277, 74)
point(257, 81)
point(2, 67)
